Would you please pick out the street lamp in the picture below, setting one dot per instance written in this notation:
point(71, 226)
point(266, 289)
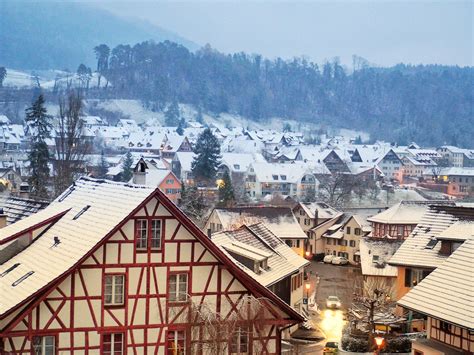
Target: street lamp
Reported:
point(307, 287)
point(379, 341)
point(307, 253)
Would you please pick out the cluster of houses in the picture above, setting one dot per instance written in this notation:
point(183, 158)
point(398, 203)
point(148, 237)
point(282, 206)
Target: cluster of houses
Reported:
point(115, 267)
point(261, 163)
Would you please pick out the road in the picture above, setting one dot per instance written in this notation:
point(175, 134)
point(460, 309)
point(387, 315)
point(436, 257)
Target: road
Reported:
point(340, 281)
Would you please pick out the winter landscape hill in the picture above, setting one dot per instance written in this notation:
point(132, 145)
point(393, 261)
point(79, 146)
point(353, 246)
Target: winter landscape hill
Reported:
point(64, 33)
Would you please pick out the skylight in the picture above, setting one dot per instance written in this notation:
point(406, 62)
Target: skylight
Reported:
point(11, 268)
point(23, 278)
point(432, 243)
point(81, 212)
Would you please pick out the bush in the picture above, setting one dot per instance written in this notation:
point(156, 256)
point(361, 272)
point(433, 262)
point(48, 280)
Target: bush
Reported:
point(398, 345)
point(349, 343)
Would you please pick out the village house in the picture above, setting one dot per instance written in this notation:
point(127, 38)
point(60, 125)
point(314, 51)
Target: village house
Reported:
point(146, 173)
point(453, 181)
point(280, 220)
point(446, 299)
point(15, 208)
point(267, 179)
point(392, 166)
point(311, 214)
point(343, 237)
point(181, 165)
point(398, 221)
point(10, 179)
point(174, 143)
point(456, 157)
point(432, 241)
point(266, 258)
point(113, 268)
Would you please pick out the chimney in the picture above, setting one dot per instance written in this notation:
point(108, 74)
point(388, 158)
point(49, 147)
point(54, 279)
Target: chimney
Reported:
point(24, 190)
point(3, 218)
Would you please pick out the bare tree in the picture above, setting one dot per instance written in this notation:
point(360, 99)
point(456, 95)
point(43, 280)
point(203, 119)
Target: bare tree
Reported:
point(336, 189)
point(70, 147)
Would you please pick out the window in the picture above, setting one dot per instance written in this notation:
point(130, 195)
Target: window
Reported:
point(445, 327)
point(348, 230)
point(289, 243)
point(178, 288)
point(352, 243)
point(114, 290)
point(283, 177)
point(328, 241)
point(170, 181)
point(176, 342)
point(357, 231)
point(156, 234)
point(275, 177)
point(297, 243)
point(400, 230)
point(142, 231)
point(236, 166)
point(148, 234)
point(240, 341)
point(112, 344)
point(45, 345)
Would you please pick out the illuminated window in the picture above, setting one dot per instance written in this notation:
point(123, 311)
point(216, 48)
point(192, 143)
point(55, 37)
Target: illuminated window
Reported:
point(178, 288)
point(114, 290)
point(45, 345)
point(112, 344)
point(176, 342)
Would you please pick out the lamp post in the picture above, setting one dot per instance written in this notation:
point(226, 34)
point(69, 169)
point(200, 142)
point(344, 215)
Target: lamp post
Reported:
point(379, 342)
point(307, 286)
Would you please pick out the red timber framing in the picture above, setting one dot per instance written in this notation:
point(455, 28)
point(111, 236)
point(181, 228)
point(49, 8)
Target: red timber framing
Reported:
point(72, 307)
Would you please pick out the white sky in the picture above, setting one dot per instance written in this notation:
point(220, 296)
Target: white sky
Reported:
point(384, 32)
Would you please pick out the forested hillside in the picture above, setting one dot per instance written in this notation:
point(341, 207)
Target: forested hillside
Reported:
point(431, 104)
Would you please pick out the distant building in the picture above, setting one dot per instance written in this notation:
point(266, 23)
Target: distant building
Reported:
point(280, 220)
point(392, 166)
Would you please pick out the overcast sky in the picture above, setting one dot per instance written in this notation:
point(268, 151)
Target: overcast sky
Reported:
point(383, 32)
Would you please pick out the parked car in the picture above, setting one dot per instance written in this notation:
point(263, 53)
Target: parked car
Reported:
point(331, 347)
point(333, 302)
point(328, 259)
point(339, 260)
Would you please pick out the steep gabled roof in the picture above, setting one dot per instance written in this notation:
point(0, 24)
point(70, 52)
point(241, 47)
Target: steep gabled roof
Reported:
point(448, 292)
point(17, 208)
point(282, 260)
point(404, 212)
point(81, 230)
point(437, 219)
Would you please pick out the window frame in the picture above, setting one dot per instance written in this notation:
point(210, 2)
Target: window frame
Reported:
point(124, 286)
point(238, 335)
point(149, 229)
point(112, 341)
point(55, 336)
point(177, 330)
point(176, 301)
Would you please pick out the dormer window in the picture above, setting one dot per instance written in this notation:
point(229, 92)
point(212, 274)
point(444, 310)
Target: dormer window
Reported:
point(236, 166)
point(283, 177)
point(275, 177)
point(375, 258)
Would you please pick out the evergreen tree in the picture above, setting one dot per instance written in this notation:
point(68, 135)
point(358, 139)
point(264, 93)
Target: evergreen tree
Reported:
point(172, 114)
point(39, 122)
point(207, 160)
point(127, 167)
point(226, 191)
point(181, 127)
point(3, 75)
point(103, 167)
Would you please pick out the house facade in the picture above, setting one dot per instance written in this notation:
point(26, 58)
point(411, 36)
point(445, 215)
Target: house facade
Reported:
point(391, 166)
point(117, 269)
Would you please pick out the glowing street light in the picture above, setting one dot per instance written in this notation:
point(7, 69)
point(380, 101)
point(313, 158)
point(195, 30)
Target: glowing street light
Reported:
point(307, 286)
point(379, 341)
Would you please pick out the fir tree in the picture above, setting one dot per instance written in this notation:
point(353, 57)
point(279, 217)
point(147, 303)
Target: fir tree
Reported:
point(207, 160)
point(103, 167)
point(39, 122)
point(181, 127)
point(127, 167)
point(3, 75)
point(172, 114)
point(226, 191)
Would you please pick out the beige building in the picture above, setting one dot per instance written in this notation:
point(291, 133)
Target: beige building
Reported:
point(342, 239)
point(113, 268)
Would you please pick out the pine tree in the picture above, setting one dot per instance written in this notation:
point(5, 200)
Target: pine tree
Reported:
point(127, 167)
point(103, 167)
point(172, 114)
point(226, 191)
point(207, 160)
point(181, 127)
point(3, 75)
point(39, 122)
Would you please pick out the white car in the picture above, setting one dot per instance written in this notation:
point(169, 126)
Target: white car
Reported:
point(333, 302)
point(328, 259)
point(339, 260)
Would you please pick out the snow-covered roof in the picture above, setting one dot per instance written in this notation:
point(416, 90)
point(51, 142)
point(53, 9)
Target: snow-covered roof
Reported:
point(258, 242)
point(404, 212)
point(324, 211)
point(280, 172)
point(17, 208)
point(457, 171)
point(415, 250)
point(185, 159)
point(110, 203)
point(280, 220)
point(240, 162)
point(448, 292)
point(383, 251)
point(173, 142)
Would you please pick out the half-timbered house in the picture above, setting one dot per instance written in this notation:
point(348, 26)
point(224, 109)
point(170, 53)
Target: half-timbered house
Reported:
point(113, 268)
